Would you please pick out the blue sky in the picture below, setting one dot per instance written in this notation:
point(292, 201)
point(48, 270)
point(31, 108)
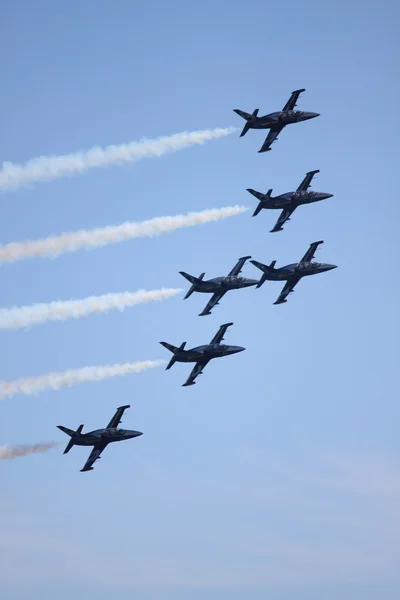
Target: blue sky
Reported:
point(278, 473)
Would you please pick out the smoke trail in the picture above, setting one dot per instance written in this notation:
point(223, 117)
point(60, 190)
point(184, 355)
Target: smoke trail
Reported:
point(95, 238)
point(56, 381)
point(46, 168)
point(9, 452)
point(24, 316)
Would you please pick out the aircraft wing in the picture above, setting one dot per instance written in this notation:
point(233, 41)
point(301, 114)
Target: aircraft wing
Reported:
point(287, 289)
point(93, 456)
point(239, 266)
point(309, 255)
point(196, 371)
point(283, 217)
point(215, 298)
point(305, 184)
point(291, 103)
point(219, 336)
point(271, 137)
point(116, 420)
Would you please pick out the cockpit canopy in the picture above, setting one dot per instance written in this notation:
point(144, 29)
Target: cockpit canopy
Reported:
point(308, 265)
point(232, 279)
point(293, 113)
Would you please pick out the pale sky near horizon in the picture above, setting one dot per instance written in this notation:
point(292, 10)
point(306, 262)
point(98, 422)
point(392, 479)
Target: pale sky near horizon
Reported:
point(277, 475)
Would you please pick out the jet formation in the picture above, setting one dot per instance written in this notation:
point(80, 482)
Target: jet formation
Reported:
point(219, 286)
point(275, 121)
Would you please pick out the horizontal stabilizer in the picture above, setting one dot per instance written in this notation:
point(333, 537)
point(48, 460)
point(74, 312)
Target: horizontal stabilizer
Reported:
point(258, 209)
point(195, 281)
point(262, 280)
point(245, 130)
point(174, 350)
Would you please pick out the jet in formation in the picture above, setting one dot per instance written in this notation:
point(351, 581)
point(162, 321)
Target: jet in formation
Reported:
point(219, 285)
point(275, 121)
point(290, 201)
point(292, 273)
point(100, 438)
point(201, 355)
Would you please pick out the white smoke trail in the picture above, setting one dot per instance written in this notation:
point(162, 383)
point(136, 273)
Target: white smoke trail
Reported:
point(9, 452)
point(46, 168)
point(56, 381)
point(24, 316)
point(94, 238)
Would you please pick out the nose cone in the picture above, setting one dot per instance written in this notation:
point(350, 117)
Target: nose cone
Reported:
point(325, 195)
point(235, 349)
point(310, 115)
point(132, 434)
point(250, 282)
point(329, 267)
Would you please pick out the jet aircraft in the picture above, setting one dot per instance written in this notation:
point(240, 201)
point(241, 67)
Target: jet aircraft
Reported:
point(99, 438)
point(219, 285)
point(201, 355)
point(292, 273)
point(275, 121)
point(289, 201)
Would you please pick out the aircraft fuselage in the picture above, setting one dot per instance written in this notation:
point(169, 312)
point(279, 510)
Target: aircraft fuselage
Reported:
point(280, 118)
point(207, 351)
point(290, 199)
point(299, 270)
point(224, 284)
point(104, 436)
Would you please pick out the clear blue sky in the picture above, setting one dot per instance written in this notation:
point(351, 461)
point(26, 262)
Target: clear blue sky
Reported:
point(277, 475)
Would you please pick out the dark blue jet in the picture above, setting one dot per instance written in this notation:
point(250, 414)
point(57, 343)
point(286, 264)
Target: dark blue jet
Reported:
point(292, 273)
point(219, 285)
point(99, 438)
point(275, 121)
point(290, 201)
point(202, 354)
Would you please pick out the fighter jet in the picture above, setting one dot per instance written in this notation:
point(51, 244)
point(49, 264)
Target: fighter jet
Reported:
point(201, 355)
point(99, 438)
point(289, 201)
point(219, 285)
point(292, 273)
point(275, 121)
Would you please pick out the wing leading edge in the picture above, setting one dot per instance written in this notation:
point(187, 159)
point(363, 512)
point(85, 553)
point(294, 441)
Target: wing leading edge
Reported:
point(213, 301)
point(237, 269)
point(93, 456)
point(283, 217)
point(309, 255)
point(196, 371)
point(116, 419)
point(292, 102)
point(305, 184)
point(271, 138)
point(287, 289)
point(219, 336)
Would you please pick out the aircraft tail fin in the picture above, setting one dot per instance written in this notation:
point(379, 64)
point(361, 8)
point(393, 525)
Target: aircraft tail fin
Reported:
point(195, 281)
point(247, 117)
point(266, 269)
point(72, 435)
point(174, 351)
point(263, 198)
